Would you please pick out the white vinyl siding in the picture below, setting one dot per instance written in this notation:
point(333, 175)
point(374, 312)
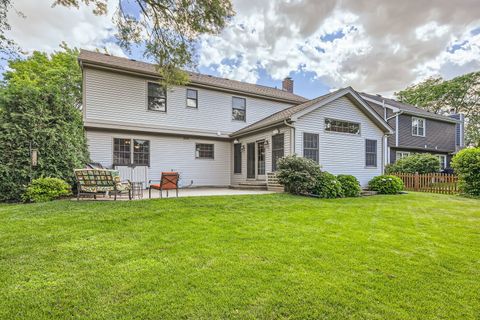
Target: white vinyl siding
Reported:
point(112, 96)
point(342, 153)
point(169, 153)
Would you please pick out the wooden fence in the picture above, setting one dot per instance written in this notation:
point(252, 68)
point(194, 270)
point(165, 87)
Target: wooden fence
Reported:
point(430, 182)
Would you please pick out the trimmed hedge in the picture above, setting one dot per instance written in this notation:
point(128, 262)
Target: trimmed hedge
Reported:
point(46, 189)
point(350, 185)
point(466, 164)
point(386, 184)
point(417, 162)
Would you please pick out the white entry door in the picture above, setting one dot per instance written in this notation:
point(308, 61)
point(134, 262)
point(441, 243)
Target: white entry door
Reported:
point(261, 160)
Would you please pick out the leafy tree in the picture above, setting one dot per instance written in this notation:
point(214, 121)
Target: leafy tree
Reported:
point(7, 45)
point(168, 28)
point(417, 162)
point(460, 94)
point(467, 165)
point(39, 102)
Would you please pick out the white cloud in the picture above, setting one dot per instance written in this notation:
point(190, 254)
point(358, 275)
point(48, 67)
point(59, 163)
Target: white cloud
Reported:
point(379, 46)
point(44, 27)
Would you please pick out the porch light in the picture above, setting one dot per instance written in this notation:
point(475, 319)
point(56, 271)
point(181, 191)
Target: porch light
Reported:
point(235, 141)
point(34, 157)
point(275, 131)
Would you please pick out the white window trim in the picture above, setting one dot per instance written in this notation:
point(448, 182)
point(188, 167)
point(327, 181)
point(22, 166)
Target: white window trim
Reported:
point(132, 144)
point(245, 110)
point(186, 99)
point(146, 100)
point(424, 127)
point(403, 154)
point(359, 134)
point(318, 146)
point(201, 158)
point(376, 154)
point(443, 161)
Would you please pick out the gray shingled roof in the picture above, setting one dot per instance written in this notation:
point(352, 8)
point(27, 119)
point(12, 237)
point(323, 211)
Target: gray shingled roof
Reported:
point(407, 108)
point(281, 115)
point(195, 78)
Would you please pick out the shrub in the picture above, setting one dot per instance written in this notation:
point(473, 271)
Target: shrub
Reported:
point(386, 184)
point(327, 186)
point(297, 174)
point(46, 189)
point(467, 165)
point(350, 185)
point(418, 162)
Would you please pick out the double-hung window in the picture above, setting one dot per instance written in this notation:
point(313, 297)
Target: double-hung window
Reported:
point(443, 161)
point(239, 108)
point(418, 127)
point(192, 98)
point(126, 155)
point(310, 146)
point(157, 97)
point(204, 151)
point(370, 153)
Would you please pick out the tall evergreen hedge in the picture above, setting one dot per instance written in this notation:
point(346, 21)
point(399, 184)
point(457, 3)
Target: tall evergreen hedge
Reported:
point(40, 98)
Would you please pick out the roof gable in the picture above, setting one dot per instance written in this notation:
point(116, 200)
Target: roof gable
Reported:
point(294, 112)
point(397, 106)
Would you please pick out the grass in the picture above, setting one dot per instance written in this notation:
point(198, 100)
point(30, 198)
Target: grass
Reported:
point(414, 256)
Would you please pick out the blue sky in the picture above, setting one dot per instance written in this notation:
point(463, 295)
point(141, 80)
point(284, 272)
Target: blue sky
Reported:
point(375, 46)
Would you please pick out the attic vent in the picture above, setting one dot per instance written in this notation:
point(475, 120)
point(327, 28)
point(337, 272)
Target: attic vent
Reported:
point(378, 95)
point(133, 60)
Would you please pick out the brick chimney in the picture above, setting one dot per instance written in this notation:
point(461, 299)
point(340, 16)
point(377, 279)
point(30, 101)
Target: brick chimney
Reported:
point(287, 84)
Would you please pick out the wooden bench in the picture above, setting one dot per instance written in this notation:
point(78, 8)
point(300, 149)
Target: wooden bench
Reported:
point(100, 181)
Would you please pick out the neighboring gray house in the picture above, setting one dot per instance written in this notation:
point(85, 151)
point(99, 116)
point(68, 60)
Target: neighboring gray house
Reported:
point(220, 132)
point(417, 130)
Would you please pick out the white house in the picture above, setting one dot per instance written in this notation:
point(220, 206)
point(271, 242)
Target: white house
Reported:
point(220, 132)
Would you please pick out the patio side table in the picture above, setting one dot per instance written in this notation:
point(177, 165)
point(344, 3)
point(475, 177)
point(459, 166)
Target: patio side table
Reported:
point(137, 190)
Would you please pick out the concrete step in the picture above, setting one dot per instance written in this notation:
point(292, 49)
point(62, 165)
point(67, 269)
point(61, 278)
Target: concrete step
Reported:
point(366, 193)
point(253, 183)
point(249, 187)
point(276, 188)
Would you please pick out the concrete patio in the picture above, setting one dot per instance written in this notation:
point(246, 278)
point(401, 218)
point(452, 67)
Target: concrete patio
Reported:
point(188, 192)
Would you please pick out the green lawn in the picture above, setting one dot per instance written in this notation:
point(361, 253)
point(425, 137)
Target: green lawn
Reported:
point(267, 256)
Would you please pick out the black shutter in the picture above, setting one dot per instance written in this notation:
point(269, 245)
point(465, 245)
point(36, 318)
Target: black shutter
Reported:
point(237, 158)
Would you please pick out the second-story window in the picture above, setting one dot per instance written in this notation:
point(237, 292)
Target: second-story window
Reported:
point(192, 98)
point(157, 97)
point(418, 127)
point(239, 108)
